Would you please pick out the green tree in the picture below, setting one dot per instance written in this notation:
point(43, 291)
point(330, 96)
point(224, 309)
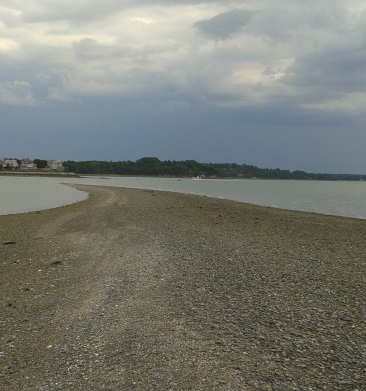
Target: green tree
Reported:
point(40, 163)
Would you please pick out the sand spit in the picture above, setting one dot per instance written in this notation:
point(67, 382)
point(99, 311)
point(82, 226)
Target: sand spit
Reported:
point(144, 290)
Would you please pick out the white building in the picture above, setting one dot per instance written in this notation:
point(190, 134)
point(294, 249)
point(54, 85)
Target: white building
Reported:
point(27, 164)
point(10, 163)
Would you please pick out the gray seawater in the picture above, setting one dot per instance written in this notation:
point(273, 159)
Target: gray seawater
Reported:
point(335, 198)
point(18, 195)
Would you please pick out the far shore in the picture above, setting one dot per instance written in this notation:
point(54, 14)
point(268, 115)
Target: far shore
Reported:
point(38, 173)
point(106, 175)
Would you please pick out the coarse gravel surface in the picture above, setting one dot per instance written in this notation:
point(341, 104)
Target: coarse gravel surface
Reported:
point(145, 290)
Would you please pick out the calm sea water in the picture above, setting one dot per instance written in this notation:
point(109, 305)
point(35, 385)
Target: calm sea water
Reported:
point(336, 198)
point(31, 194)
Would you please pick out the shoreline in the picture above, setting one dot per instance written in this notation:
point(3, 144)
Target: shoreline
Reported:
point(39, 173)
point(333, 200)
point(140, 289)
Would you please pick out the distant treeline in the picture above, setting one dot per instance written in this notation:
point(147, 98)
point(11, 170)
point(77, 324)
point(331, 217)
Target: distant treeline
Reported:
point(152, 166)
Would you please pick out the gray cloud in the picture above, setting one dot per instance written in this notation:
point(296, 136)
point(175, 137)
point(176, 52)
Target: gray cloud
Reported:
point(338, 69)
point(186, 70)
point(225, 24)
point(90, 49)
point(89, 10)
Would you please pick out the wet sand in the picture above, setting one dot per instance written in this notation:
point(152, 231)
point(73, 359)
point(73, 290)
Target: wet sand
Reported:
point(144, 290)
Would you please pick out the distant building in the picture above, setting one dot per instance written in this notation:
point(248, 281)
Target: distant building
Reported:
point(10, 163)
point(27, 164)
point(54, 165)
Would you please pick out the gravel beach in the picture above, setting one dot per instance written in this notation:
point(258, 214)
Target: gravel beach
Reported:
point(145, 290)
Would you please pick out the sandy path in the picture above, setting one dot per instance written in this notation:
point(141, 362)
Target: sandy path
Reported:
point(141, 290)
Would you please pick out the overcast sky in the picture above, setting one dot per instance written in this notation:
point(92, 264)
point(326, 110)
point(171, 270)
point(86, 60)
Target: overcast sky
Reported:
point(269, 83)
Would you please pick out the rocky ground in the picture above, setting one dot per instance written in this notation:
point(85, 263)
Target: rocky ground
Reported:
point(142, 290)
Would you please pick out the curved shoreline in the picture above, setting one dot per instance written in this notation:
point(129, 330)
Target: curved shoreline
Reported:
point(36, 196)
point(141, 290)
point(335, 200)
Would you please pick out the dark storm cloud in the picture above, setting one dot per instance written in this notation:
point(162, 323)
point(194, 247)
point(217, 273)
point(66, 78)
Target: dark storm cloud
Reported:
point(186, 79)
point(338, 69)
